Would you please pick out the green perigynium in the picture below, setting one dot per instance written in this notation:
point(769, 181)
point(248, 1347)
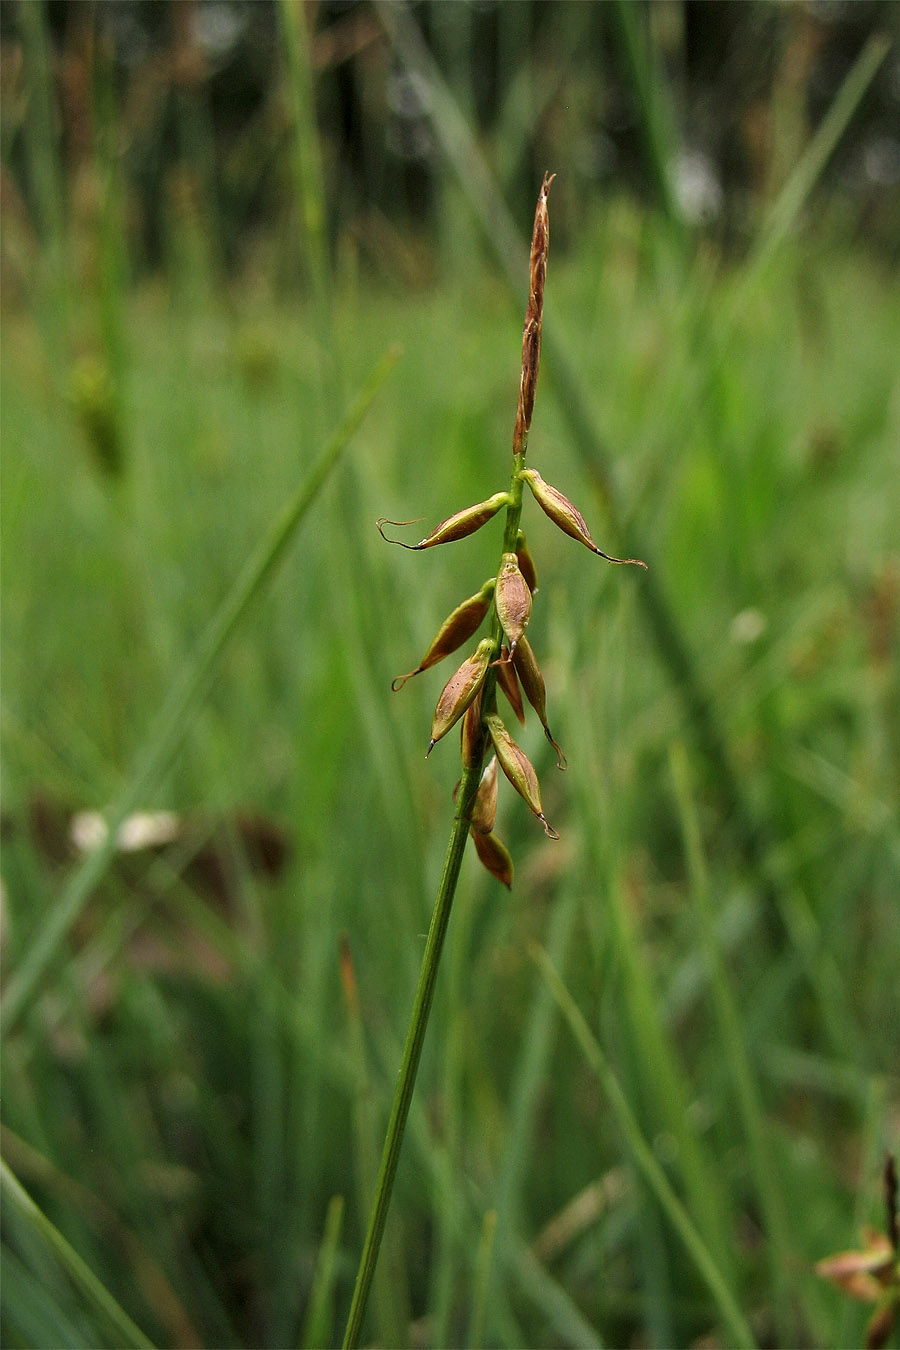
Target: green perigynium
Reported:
point(505, 659)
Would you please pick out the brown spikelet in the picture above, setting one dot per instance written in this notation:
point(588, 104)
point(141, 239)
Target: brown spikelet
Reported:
point(459, 692)
point(471, 734)
point(484, 807)
point(532, 681)
point(567, 516)
point(526, 563)
point(457, 526)
point(494, 855)
point(508, 682)
point(456, 629)
point(512, 599)
point(531, 336)
point(518, 769)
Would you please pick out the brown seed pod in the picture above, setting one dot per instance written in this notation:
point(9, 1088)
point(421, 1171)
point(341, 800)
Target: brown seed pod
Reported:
point(566, 516)
point(459, 691)
point(506, 678)
point(512, 599)
point(471, 734)
point(495, 856)
point(518, 769)
point(532, 681)
point(526, 563)
point(484, 807)
point(456, 629)
point(454, 527)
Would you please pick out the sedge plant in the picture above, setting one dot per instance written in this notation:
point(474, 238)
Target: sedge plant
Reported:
point(502, 660)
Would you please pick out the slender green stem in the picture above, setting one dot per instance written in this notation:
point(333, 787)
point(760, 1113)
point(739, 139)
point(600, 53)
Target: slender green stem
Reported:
point(418, 1023)
point(412, 1051)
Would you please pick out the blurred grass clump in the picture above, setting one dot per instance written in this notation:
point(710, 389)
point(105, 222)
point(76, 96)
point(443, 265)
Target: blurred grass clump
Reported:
point(198, 1055)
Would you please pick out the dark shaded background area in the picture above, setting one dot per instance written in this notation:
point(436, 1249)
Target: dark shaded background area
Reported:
point(203, 123)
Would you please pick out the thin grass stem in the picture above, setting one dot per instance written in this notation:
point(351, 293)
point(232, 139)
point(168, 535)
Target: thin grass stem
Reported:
point(809, 167)
point(412, 1052)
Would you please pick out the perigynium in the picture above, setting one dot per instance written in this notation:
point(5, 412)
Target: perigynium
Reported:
point(503, 659)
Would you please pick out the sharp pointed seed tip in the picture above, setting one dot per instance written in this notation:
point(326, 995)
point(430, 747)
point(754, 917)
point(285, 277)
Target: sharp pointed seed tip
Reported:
point(621, 562)
point(561, 761)
point(399, 681)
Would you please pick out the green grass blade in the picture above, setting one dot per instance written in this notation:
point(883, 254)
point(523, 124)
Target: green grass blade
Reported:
point(812, 162)
point(485, 1256)
point(318, 1324)
point(769, 1185)
point(655, 114)
point(536, 1048)
point(98, 1216)
point(41, 148)
point(568, 1323)
point(661, 1072)
point(185, 695)
point(81, 1275)
point(32, 1314)
point(643, 1156)
point(306, 165)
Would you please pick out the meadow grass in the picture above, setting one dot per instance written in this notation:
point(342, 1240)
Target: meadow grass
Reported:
point(193, 1097)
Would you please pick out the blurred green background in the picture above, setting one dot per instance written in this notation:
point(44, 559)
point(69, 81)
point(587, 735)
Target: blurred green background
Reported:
point(216, 218)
